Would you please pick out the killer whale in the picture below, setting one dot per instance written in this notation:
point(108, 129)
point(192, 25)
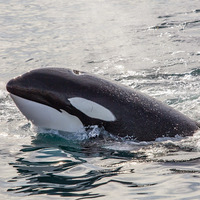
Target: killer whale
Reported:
point(69, 100)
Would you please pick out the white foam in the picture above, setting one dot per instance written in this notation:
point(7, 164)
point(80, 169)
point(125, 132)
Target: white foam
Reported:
point(2, 85)
point(2, 94)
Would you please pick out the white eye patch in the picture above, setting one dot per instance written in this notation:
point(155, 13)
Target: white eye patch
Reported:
point(92, 109)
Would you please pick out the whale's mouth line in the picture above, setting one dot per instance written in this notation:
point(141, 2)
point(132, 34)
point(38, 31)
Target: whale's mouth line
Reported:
point(35, 98)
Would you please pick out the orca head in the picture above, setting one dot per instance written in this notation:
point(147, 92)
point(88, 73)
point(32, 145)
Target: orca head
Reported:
point(44, 86)
point(56, 98)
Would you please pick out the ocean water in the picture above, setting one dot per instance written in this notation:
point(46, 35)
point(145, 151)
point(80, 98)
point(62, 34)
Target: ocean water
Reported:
point(152, 46)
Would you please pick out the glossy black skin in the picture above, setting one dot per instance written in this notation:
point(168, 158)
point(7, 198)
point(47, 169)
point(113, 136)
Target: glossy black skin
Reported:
point(137, 115)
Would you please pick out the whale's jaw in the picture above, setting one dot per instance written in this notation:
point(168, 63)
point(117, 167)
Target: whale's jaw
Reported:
point(47, 117)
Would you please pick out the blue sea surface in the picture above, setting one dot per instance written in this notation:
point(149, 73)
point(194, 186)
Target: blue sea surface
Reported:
point(151, 46)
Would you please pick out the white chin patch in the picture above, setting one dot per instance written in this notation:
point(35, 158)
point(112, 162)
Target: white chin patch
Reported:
point(46, 116)
point(92, 109)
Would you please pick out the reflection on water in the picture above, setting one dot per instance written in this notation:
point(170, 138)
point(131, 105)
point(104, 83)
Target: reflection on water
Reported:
point(55, 166)
point(64, 170)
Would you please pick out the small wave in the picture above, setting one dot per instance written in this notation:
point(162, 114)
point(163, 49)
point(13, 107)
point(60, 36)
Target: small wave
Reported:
point(192, 23)
point(175, 24)
point(165, 16)
point(165, 25)
point(165, 149)
point(87, 133)
point(3, 94)
point(197, 11)
point(178, 13)
point(154, 74)
point(96, 139)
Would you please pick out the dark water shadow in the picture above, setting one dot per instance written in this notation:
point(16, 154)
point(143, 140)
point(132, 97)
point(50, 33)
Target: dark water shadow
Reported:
point(54, 166)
